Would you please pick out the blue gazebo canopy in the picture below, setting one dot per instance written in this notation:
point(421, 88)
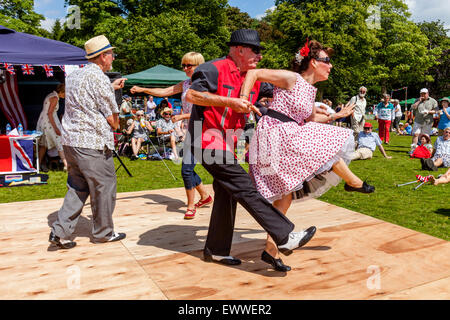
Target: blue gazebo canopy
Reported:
point(22, 48)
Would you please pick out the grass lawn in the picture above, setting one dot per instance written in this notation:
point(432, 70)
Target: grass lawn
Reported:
point(425, 210)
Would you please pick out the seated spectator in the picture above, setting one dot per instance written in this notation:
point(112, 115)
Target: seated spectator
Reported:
point(444, 120)
point(137, 132)
point(423, 149)
point(161, 106)
point(367, 143)
point(165, 129)
point(401, 129)
point(408, 127)
point(445, 178)
point(441, 153)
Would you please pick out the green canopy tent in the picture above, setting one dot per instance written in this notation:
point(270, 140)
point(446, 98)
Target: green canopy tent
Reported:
point(158, 76)
point(409, 101)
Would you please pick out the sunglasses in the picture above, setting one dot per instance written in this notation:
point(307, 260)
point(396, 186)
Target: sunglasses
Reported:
point(255, 50)
point(113, 54)
point(324, 60)
point(166, 114)
point(187, 65)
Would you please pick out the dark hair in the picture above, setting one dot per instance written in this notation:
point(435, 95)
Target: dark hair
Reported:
point(314, 49)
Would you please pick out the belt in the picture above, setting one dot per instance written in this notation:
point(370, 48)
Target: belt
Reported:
point(275, 114)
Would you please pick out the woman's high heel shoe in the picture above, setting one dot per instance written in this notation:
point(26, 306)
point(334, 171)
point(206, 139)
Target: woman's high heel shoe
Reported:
point(277, 264)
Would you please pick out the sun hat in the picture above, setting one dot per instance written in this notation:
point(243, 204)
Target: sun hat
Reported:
point(446, 99)
point(367, 125)
point(245, 37)
point(167, 109)
point(140, 113)
point(424, 90)
point(96, 45)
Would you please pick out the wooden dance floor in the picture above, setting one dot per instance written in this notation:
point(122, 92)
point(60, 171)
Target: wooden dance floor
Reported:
point(352, 256)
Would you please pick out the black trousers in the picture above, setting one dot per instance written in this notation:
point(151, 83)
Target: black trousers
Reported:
point(232, 184)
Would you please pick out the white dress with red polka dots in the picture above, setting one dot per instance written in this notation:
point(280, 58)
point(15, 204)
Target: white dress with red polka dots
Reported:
point(285, 155)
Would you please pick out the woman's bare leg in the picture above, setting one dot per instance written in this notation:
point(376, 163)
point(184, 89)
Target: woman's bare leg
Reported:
point(202, 191)
point(283, 205)
point(343, 171)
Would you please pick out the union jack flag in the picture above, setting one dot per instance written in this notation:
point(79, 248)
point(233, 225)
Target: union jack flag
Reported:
point(16, 154)
point(63, 68)
point(82, 65)
point(10, 68)
point(48, 70)
point(27, 69)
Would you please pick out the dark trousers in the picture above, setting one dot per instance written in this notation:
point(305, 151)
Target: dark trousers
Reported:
point(232, 184)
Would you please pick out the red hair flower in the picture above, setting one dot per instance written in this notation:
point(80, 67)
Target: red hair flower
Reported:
point(303, 52)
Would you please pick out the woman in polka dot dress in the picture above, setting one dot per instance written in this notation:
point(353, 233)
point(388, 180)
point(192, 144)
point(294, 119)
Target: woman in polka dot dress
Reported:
point(303, 157)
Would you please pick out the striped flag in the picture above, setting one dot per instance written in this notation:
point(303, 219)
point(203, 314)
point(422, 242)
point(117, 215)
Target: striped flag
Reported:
point(48, 70)
point(27, 69)
point(10, 103)
point(10, 68)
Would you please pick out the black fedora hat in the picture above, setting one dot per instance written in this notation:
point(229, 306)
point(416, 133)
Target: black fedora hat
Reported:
point(245, 37)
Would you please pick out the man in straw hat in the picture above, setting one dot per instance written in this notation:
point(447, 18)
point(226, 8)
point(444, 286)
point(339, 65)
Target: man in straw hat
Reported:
point(217, 113)
point(91, 115)
point(167, 130)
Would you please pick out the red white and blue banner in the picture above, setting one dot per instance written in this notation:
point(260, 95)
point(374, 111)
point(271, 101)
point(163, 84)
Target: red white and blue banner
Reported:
point(10, 102)
point(16, 154)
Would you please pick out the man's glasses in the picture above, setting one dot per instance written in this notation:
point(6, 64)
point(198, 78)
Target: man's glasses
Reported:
point(166, 114)
point(112, 53)
point(255, 50)
point(187, 65)
point(324, 60)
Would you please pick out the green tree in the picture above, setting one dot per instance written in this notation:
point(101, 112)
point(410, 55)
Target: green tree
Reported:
point(236, 19)
point(57, 30)
point(20, 16)
point(380, 56)
point(148, 32)
point(437, 37)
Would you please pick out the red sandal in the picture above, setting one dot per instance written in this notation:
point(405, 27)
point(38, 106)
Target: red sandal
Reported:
point(190, 214)
point(204, 202)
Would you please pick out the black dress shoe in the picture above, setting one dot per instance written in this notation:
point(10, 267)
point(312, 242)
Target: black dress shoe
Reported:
point(232, 261)
point(308, 236)
point(277, 264)
point(366, 188)
point(57, 241)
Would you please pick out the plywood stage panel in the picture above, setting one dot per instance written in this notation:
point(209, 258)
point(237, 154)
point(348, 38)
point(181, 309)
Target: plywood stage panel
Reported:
point(352, 256)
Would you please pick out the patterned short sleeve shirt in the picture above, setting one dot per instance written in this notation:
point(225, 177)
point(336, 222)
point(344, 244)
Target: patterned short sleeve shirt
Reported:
point(89, 101)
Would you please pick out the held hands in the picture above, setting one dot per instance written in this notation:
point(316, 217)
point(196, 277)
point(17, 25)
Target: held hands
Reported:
point(135, 89)
point(243, 106)
point(119, 83)
point(346, 111)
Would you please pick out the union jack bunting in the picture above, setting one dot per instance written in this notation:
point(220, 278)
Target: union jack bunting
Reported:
point(27, 69)
point(82, 65)
point(48, 70)
point(63, 68)
point(10, 68)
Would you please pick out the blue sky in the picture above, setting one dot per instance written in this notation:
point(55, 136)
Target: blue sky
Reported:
point(422, 10)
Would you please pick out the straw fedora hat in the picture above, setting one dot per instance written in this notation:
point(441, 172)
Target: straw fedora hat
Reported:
point(166, 109)
point(97, 45)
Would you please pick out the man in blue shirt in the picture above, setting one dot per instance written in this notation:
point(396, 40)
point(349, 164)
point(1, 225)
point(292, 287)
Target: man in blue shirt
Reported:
point(367, 143)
